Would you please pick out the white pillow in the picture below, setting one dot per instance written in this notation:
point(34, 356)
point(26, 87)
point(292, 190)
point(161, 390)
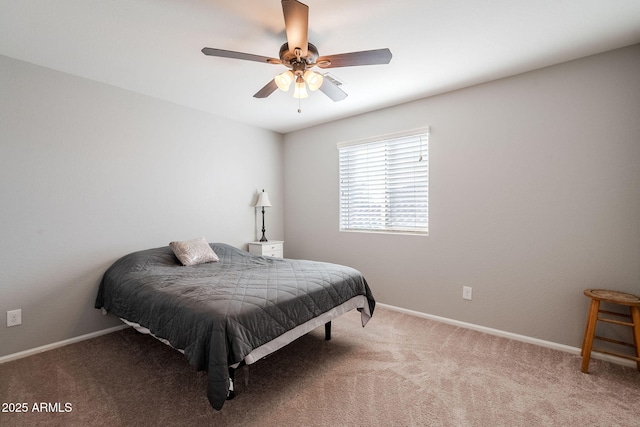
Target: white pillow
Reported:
point(195, 251)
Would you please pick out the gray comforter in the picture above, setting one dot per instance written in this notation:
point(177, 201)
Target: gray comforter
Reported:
point(219, 312)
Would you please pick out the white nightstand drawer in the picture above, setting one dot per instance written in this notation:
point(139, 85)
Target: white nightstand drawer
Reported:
point(273, 253)
point(272, 249)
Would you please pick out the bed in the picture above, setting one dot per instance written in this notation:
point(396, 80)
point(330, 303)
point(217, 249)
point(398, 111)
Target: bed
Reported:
point(233, 311)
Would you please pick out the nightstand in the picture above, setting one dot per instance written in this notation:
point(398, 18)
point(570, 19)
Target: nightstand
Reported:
point(273, 248)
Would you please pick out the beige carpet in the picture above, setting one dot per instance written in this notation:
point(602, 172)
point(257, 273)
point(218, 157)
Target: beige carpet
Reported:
point(398, 371)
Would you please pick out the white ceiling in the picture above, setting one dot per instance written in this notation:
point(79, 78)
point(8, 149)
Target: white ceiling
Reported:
point(153, 47)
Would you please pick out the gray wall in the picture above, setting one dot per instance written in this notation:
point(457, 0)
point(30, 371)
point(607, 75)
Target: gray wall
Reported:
point(534, 196)
point(89, 172)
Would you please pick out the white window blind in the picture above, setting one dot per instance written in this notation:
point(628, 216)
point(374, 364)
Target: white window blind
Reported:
point(384, 183)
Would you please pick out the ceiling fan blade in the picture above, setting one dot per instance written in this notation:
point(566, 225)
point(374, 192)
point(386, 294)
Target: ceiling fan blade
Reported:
point(239, 55)
point(365, 57)
point(332, 90)
point(296, 23)
point(267, 90)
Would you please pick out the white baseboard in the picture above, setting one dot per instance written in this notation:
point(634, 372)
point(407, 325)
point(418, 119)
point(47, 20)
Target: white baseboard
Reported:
point(510, 335)
point(491, 331)
point(58, 344)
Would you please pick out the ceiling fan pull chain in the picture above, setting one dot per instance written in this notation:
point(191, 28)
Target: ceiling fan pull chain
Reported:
point(299, 109)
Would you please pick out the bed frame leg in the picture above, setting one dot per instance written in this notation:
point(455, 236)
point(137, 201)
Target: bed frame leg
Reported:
point(231, 393)
point(327, 331)
point(232, 377)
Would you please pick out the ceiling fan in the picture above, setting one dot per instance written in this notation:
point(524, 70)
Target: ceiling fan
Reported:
point(299, 56)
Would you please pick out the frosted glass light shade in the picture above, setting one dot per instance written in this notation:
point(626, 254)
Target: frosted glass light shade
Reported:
point(284, 80)
point(300, 90)
point(313, 79)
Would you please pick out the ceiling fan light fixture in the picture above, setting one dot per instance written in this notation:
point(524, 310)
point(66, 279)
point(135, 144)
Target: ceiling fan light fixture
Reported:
point(313, 79)
point(300, 91)
point(284, 80)
point(297, 54)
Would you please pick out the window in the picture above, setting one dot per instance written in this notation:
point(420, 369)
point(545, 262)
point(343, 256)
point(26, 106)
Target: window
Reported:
point(384, 183)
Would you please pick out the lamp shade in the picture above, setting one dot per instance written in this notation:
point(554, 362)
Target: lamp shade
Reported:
point(263, 200)
point(284, 80)
point(313, 79)
point(300, 91)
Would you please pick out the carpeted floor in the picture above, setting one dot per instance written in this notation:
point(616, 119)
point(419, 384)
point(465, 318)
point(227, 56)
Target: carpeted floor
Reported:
point(398, 371)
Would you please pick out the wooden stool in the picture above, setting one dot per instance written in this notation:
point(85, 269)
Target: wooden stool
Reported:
point(613, 297)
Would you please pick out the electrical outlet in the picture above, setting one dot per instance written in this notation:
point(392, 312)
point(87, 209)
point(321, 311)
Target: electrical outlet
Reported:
point(466, 292)
point(14, 317)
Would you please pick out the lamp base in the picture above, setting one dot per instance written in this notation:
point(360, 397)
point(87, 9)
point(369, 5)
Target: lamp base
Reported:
point(263, 238)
